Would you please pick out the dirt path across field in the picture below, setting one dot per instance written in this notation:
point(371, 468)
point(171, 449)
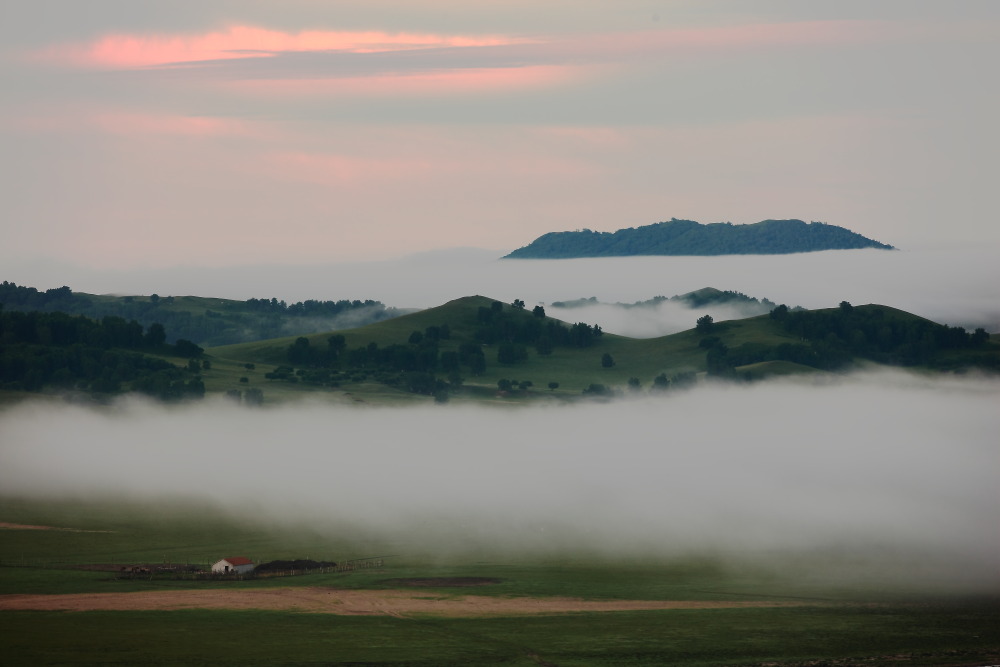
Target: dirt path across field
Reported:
point(349, 602)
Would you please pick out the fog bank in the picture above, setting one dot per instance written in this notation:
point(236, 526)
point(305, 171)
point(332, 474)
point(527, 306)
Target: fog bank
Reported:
point(653, 320)
point(885, 463)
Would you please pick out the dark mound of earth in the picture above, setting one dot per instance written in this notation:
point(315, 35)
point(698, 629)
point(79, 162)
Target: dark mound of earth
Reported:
point(442, 582)
point(286, 565)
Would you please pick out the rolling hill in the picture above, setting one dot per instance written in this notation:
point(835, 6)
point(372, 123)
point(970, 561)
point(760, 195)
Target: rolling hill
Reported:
point(779, 343)
point(472, 348)
point(203, 320)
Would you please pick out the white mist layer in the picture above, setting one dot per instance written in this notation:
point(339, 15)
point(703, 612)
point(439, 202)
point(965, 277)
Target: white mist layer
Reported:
point(954, 285)
point(651, 321)
point(875, 462)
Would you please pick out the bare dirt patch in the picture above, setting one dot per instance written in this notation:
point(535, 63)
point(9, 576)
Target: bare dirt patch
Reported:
point(351, 602)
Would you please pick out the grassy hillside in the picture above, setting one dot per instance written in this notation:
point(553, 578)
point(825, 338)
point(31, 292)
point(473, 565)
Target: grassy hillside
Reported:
point(203, 320)
point(747, 349)
point(574, 369)
point(475, 348)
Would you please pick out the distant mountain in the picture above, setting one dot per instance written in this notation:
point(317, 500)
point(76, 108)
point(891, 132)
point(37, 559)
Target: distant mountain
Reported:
point(687, 237)
point(696, 299)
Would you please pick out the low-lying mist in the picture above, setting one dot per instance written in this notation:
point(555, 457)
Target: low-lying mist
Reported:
point(654, 319)
point(953, 285)
point(890, 465)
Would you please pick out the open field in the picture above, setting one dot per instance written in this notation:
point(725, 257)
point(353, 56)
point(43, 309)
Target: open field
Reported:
point(481, 609)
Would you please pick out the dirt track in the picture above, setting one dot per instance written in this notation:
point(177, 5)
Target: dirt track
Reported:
point(348, 602)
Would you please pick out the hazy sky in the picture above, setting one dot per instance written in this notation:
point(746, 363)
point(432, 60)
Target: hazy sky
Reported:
point(240, 132)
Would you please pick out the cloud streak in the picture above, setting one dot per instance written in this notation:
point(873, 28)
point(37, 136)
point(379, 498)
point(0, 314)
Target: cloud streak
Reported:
point(130, 51)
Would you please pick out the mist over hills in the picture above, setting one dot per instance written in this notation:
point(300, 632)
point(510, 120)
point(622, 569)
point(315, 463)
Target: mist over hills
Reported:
point(202, 319)
point(477, 348)
point(687, 237)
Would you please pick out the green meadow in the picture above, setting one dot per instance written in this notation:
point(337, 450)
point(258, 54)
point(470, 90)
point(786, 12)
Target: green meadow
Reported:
point(572, 369)
point(840, 622)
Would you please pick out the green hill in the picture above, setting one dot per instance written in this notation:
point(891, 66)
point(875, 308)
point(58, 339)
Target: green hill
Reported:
point(203, 320)
point(687, 237)
point(472, 348)
point(778, 343)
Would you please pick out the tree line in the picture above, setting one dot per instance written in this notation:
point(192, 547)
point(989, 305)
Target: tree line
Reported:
point(233, 322)
point(831, 339)
point(40, 351)
point(416, 363)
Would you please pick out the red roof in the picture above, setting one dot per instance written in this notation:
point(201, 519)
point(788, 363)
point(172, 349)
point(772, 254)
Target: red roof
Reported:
point(238, 560)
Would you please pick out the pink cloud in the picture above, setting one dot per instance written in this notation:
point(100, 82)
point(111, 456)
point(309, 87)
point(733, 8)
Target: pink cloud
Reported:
point(138, 51)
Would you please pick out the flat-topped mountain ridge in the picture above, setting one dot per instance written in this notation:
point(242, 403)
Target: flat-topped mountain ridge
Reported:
point(687, 237)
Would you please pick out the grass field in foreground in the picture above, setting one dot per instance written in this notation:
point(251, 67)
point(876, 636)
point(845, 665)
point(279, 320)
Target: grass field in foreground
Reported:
point(848, 624)
point(965, 634)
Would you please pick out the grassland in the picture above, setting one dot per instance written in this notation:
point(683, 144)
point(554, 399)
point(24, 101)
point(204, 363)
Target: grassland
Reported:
point(574, 369)
point(838, 624)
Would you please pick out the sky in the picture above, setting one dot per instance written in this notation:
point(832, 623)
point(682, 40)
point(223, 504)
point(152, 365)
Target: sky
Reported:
point(185, 136)
point(395, 150)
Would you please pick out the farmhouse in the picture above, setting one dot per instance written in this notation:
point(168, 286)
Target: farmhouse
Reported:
point(233, 565)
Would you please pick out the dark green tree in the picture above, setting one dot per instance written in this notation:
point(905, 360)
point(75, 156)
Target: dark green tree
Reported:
point(704, 324)
point(660, 382)
point(156, 335)
point(607, 361)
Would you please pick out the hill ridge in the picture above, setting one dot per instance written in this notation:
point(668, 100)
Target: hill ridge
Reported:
point(688, 237)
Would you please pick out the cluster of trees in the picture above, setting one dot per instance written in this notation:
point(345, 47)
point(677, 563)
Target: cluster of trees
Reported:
point(230, 322)
point(60, 329)
point(872, 333)
point(412, 365)
point(513, 331)
point(54, 350)
point(704, 297)
point(687, 237)
point(416, 364)
point(310, 307)
point(830, 339)
point(696, 299)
